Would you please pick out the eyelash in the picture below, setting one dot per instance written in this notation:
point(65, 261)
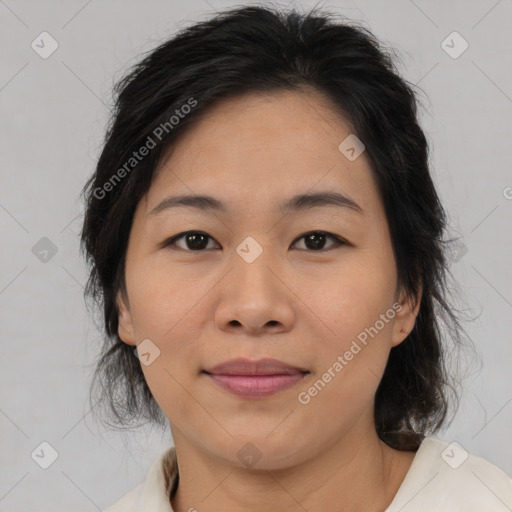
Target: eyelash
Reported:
point(172, 241)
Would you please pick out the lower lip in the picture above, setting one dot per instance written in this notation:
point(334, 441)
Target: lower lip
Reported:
point(256, 385)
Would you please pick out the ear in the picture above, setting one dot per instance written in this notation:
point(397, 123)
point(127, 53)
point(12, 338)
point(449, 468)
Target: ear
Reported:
point(125, 327)
point(405, 317)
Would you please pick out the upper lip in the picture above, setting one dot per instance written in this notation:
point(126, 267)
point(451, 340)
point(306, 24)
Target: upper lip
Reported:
point(241, 366)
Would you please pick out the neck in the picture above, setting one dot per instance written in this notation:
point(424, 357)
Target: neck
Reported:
point(357, 472)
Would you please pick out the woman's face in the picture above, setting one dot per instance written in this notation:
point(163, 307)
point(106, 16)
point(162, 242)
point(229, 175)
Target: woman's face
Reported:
point(253, 286)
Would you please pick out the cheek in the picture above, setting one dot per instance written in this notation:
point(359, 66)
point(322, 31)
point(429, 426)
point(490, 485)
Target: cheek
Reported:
point(353, 349)
point(169, 312)
point(348, 300)
point(161, 301)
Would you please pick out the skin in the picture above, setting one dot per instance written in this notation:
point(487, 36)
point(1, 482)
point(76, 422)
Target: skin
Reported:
point(295, 303)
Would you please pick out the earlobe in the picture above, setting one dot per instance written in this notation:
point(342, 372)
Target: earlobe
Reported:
point(125, 325)
point(406, 317)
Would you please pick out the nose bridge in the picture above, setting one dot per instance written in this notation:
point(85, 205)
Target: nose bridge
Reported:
point(253, 261)
point(253, 296)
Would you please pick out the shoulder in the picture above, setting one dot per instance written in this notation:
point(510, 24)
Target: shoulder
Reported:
point(444, 476)
point(153, 493)
point(129, 502)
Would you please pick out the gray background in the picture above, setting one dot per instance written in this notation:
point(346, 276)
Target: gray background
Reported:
point(53, 116)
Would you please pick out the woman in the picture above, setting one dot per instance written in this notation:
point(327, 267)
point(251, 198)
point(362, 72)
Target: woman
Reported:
point(267, 243)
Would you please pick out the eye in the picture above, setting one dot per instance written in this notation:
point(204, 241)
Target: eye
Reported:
point(316, 240)
point(195, 241)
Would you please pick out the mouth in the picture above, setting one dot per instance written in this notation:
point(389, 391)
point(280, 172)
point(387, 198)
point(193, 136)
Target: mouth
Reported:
point(255, 386)
point(246, 367)
point(255, 379)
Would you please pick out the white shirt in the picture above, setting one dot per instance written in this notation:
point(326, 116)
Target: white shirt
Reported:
point(442, 478)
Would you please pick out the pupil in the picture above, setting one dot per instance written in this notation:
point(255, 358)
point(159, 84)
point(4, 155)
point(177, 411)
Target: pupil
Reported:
point(196, 241)
point(315, 245)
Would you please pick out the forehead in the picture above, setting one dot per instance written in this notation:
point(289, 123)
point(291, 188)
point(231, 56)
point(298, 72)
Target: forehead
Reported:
point(262, 147)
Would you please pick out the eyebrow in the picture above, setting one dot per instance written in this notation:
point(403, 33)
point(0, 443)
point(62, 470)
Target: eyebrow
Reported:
point(297, 203)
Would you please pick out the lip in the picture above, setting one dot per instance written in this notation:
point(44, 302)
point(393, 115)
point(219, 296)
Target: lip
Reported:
point(254, 379)
point(266, 366)
point(255, 386)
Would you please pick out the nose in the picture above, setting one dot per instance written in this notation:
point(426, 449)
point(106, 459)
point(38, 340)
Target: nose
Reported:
point(255, 298)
